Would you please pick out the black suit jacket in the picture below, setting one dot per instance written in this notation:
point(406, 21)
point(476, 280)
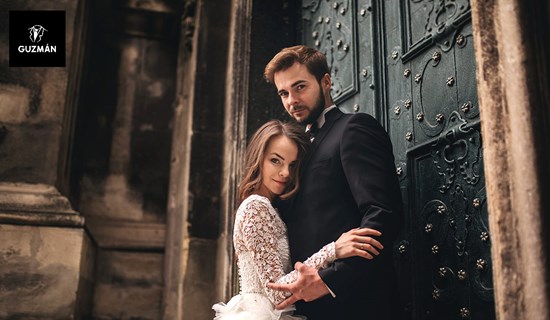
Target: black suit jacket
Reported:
point(349, 180)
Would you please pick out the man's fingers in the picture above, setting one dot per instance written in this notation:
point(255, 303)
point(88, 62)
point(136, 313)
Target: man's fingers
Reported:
point(279, 286)
point(289, 301)
point(298, 265)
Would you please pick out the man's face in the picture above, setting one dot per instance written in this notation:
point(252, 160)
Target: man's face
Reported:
point(302, 95)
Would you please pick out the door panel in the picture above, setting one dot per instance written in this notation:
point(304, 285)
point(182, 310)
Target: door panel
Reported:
point(345, 33)
point(411, 65)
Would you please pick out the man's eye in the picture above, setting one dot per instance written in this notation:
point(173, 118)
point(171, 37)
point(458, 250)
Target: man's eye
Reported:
point(283, 94)
point(300, 86)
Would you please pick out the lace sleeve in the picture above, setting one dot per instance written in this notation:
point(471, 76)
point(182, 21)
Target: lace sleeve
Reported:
point(260, 234)
point(319, 260)
point(259, 231)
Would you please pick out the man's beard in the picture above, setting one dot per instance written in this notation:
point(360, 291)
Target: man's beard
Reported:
point(317, 109)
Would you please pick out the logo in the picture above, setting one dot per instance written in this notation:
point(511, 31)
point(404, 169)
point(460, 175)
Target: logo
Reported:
point(37, 38)
point(37, 32)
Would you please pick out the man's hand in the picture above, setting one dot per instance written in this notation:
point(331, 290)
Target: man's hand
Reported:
point(308, 287)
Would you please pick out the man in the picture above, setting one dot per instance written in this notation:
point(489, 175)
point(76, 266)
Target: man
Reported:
point(348, 181)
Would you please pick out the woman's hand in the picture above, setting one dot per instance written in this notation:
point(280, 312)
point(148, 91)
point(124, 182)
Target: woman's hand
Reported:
point(357, 242)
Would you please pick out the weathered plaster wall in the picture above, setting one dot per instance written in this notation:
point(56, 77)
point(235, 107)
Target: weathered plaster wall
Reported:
point(123, 136)
point(40, 272)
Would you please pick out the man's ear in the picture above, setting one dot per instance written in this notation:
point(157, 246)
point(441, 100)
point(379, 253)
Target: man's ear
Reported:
point(327, 83)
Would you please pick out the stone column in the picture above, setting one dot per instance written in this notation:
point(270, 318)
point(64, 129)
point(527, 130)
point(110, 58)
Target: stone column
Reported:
point(196, 168)
point(511, 39)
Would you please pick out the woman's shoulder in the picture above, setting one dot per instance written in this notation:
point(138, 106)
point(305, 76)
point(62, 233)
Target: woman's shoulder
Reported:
point(254, 203)
point(255, 198)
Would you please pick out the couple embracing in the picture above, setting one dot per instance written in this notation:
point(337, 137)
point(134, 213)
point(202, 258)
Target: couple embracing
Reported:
point(325, 199)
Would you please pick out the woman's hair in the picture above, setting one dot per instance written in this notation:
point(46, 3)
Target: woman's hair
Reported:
point(255, 154)
point(314, 60)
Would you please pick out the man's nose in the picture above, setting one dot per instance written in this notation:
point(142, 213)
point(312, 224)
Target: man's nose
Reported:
point(292, 99)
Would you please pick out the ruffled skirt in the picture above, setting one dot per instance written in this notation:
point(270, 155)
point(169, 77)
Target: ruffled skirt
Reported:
point(252, 306)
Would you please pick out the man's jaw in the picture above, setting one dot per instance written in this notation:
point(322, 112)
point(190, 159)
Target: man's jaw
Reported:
point(298, 113)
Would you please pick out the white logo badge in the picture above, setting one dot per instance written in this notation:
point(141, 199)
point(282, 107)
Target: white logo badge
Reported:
point(36, 31)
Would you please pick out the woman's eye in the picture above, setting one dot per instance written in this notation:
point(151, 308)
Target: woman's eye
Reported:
point(275, 161)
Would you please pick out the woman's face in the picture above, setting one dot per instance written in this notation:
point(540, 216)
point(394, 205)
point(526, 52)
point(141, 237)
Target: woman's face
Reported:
point(278, 166)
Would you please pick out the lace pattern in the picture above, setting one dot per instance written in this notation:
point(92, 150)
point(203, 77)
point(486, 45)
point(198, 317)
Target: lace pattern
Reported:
point(261, 245)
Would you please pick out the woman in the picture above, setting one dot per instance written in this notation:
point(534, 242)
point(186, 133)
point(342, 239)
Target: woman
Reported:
point(273, 161)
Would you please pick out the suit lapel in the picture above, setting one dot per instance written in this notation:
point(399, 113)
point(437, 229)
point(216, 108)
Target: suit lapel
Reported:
point(330, 118)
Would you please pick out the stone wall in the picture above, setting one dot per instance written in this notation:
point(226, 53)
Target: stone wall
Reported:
point(46, 256)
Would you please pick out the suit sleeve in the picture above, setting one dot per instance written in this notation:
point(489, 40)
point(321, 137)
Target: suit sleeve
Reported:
point(368, 163)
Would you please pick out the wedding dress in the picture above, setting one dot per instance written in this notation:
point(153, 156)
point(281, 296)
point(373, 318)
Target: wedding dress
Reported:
point(261, 245)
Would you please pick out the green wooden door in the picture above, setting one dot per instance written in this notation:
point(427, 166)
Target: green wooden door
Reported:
point(410, 63)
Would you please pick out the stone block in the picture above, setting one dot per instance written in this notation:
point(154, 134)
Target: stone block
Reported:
point(129, 285)
point(40, 271)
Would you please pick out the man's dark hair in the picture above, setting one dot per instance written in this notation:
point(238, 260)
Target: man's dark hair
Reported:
point(314, 60)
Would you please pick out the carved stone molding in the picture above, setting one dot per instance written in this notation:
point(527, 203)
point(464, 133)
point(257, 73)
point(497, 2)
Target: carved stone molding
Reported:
point(36, 204)
point(114, 234)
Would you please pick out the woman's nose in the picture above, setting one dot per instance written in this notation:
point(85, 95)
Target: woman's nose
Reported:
point(284, 172)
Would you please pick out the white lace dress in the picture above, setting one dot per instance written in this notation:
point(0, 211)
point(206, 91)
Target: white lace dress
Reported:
point(261, 245)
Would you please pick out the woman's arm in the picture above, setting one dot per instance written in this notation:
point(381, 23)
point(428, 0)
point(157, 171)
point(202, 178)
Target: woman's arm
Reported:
point(356, 242)
point(260, 233)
